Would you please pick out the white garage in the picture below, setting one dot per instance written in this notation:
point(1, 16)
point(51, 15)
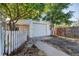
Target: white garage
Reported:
point(40, 28)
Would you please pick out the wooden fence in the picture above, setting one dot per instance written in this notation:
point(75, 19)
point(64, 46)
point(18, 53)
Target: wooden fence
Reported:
point(67, 32)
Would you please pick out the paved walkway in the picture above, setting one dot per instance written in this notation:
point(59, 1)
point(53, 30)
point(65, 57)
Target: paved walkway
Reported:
point(49, 50)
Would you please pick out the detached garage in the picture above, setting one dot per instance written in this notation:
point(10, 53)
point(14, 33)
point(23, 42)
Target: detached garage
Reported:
point(40, 28)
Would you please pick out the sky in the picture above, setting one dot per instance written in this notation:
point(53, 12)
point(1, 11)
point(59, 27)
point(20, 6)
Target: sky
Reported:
point(74, 7)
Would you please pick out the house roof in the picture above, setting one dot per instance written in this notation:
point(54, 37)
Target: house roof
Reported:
point(21, 22)
point(24, 21)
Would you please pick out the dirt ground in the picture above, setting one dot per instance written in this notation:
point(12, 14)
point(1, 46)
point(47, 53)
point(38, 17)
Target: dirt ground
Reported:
point(71, 47)
point(27, 51)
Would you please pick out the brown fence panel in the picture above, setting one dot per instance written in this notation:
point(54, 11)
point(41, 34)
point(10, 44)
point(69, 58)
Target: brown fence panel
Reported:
point(67, 32)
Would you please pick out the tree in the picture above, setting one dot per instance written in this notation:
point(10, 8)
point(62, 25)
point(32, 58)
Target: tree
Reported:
point(21, 11)
point(55, 15)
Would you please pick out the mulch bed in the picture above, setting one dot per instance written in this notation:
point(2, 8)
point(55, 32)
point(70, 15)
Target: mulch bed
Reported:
point(26, 51)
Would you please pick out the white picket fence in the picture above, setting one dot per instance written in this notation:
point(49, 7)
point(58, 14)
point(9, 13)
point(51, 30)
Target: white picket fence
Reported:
point(13, 40)
point(2, 37)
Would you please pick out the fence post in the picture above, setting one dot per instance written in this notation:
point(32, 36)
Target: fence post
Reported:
point(0, 43)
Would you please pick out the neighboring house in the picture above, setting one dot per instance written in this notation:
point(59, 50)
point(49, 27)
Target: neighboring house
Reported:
point(20, 25)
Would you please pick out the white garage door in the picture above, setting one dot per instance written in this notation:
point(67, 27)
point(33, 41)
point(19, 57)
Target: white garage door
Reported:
point(39, 30)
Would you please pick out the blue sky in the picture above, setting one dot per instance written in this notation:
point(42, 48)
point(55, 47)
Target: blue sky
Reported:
point(74, 7)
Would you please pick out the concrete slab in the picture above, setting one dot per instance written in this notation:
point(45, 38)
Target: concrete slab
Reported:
point(49, 50)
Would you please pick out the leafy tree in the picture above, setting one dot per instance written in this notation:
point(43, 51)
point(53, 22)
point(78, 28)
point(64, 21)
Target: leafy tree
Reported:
point(54, 14)
point(18, 11)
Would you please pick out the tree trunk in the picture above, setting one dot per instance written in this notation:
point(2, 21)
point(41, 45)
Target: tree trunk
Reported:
point(52, 29)
point(12, 26)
